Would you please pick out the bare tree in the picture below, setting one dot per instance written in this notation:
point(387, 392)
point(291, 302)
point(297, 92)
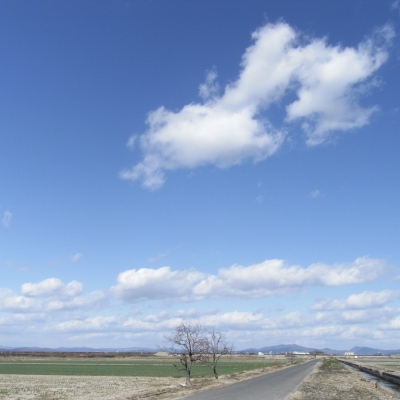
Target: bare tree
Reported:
point(187, 341)
point(316, 353)
point(291, 357)
point(214, 346)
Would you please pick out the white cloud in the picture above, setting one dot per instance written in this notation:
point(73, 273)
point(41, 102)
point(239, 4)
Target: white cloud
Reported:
point(52, 286)
point(337, 333)
point(249, 320)
point(230, 128)
point(275, 277)
point(217, 136)
point(323, 331)
point(159, 257)
point(88, 324)
point(228, 321)
point(364, 300)
point(246, 328)
point(268, 278)
point(7, 219)
point(91, 300)
point(235, 320)
point(329, 85)
point(210, 88)
point(393, 324)
point(314, 194)
point(21, 319)
point(146, 283)
point(238, 324)
point(14, 303)
point(75, 257)
point(356, 331)
point(48, 296)
point(63, 310)
point(356, 316)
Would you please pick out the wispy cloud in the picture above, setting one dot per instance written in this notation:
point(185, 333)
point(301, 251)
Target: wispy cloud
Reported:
point(259, 199)
point(75, 257)
point(226, 129)
point(7, 219)
point(314, 194)
point(159, 257)
point(364, 300)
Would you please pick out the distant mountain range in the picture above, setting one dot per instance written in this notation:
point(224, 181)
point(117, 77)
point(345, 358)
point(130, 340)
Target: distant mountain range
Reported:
point(278, 349)
point(78, 350)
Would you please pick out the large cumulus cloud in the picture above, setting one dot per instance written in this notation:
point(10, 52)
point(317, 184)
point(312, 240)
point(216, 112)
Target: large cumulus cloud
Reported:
point(318, 85)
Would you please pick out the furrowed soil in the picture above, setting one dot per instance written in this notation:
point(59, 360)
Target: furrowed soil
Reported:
point(331, 380)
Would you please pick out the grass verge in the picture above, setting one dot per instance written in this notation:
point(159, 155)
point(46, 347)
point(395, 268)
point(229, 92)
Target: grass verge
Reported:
point(331, 380)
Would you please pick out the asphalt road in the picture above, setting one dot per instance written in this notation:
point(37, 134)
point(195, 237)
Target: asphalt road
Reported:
point(273, 386)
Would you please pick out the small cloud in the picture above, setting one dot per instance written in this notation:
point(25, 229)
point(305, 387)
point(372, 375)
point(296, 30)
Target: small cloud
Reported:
point(23, 269)
point(75, 257)
point(50, 287)
point(131, 142)
point(259, 199)
point(314, 194)
point(210, 88)
point(158, 257)
point(54, 262)
point(7, 219)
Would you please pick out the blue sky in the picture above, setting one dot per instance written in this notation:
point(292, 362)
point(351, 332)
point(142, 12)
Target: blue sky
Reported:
point(228, 163)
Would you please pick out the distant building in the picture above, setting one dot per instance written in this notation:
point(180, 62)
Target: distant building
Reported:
point(349, 353)
point(161, 354)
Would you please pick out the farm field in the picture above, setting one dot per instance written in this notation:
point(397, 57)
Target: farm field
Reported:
point(151, 367)
point(124, 378)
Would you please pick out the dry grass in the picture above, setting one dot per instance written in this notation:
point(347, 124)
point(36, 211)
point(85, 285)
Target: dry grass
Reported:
point(333, 381)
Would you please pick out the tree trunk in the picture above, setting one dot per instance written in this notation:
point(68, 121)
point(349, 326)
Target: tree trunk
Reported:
point(215, 372)
point(188, 378)
point(188, 368)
